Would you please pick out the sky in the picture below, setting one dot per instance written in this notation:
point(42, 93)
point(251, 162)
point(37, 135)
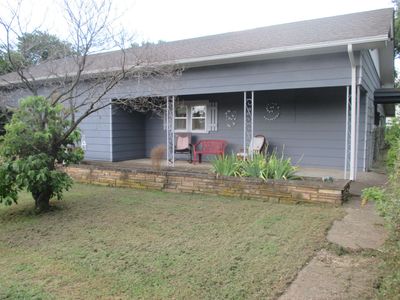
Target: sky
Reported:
point(177, 19)
point(168, 20)
point(153, 20)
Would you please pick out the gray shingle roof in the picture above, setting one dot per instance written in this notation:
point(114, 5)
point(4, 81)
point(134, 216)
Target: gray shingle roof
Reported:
point(350, 26)
point(338, 28)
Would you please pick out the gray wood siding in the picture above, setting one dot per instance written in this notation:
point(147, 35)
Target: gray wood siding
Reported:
point(96, 131)
point(289, 73)
point(128, 135)
point(310, 128)
point(370, 81)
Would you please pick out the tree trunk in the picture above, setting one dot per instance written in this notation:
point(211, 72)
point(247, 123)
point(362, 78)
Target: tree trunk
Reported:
point(42, 201)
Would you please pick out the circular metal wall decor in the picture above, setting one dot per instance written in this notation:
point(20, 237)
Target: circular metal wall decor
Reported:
point(272, 111)
point(230, 118)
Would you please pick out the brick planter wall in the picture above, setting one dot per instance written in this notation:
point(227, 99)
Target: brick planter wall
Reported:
point(309, 190)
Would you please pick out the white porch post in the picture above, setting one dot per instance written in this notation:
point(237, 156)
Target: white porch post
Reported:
point(170, 130)
point(357, 129)
point(346, 152)
point(248, 122)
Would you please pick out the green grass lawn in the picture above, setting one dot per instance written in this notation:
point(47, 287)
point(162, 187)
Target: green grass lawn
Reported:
point(119, 243)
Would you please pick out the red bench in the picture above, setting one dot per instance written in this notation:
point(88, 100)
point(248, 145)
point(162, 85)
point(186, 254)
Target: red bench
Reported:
point(207, 147)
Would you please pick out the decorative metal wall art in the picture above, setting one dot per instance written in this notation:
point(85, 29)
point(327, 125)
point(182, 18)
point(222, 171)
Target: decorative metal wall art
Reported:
point(230, 118)
point(272, 111)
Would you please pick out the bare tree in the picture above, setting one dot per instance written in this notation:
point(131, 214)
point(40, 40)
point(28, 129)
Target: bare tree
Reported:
point(81, 80)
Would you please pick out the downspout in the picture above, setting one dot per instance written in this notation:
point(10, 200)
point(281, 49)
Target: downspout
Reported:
point(353, 135)
point(111, 133)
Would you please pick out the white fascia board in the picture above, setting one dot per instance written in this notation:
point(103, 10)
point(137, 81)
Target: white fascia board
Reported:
point(289, 51)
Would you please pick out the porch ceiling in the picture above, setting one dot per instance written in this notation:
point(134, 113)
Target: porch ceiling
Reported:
point(388, 97)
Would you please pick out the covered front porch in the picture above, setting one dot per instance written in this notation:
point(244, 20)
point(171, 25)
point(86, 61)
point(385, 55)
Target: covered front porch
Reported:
point(311, 126)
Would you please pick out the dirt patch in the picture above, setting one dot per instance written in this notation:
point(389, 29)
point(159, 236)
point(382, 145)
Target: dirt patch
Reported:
point(329, 277)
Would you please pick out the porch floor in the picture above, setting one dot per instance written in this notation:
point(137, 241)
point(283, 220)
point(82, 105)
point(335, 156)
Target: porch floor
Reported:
point(205, 167)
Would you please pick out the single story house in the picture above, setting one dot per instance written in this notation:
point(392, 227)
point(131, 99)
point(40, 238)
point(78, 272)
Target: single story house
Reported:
point(313, 88)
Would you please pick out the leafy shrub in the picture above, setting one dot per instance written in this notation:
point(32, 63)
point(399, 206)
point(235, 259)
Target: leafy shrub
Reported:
point(36, 140)
point(225, 165)
point(389, 207)
point(392, 137)
point(373, 193)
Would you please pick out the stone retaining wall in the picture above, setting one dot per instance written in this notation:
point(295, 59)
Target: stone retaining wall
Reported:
point(309, 190)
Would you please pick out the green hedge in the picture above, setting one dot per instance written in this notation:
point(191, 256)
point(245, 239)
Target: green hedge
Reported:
point(389, 207)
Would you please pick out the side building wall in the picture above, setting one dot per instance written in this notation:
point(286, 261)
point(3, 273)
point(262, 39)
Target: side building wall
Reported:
point(95, 129)
point(370, 81)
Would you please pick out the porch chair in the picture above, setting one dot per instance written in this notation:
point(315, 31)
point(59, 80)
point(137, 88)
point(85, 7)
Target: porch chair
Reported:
point(257, 146)
point(183, 145)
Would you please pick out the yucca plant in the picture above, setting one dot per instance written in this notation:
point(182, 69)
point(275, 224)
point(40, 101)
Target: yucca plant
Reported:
point(253, 167)
point(226, 165)
point(279, 168)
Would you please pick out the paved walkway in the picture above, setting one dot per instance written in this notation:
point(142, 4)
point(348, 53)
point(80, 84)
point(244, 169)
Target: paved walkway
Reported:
point(330, 275)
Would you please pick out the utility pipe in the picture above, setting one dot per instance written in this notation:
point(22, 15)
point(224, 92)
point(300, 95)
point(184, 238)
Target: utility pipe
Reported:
point(353, 135)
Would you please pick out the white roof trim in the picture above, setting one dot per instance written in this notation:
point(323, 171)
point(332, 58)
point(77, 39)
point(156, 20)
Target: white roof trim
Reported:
point(270, 51)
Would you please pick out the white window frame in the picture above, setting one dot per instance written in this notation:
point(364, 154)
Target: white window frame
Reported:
point(192, 105)
point(183, 118)
point(189, 105)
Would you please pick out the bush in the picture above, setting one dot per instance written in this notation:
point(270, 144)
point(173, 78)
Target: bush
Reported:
point(225, 165)
point(374, 193)
point(389, 207)
point(255, 167)
point(280, 168)
point(156, 155)
point(392, 138)
point(261, 166)
point(36, 140)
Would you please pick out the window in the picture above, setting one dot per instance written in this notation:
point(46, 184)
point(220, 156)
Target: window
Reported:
point(198, 118)
point(195, 116)
point(181, 117)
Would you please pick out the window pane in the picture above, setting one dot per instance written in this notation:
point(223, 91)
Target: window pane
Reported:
point(180, 111)
point(199, 111)
point(198, 124)
point(180, 124)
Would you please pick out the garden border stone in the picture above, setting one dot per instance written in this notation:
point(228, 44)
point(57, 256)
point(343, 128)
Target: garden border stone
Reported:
point(309, 190)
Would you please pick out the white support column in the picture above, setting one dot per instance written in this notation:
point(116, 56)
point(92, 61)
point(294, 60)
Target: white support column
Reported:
point(111, 134)
point(357, 129)
point(366, 127)
point(248, 123)
point(170, 107)
point(244, 123)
